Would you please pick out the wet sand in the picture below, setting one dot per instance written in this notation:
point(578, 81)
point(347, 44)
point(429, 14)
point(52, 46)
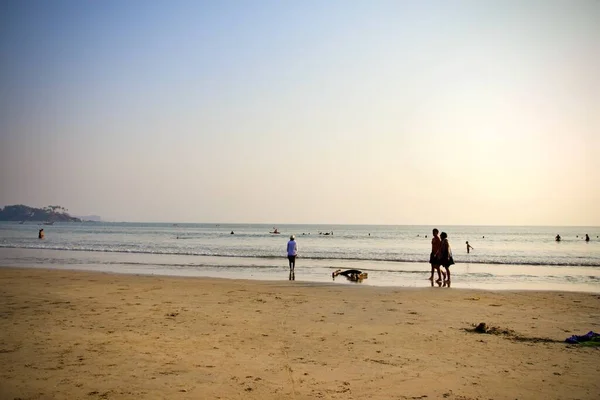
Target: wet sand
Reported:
point(87, 335)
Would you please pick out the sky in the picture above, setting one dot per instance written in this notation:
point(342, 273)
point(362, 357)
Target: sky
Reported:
point(339, 111)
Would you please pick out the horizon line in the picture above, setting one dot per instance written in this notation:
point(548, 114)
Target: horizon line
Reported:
point(338, 224)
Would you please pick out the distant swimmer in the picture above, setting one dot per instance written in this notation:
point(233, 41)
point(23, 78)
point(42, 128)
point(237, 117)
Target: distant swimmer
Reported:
point(469, 247)
point(41, 234)
point(557, 238)
point(587, 238)
point(231, 233)
point(353, 275)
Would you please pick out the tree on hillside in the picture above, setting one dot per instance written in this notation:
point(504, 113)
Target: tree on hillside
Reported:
point(55, 209)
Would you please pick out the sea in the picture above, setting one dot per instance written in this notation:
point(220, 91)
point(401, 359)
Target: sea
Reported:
point(503, 257)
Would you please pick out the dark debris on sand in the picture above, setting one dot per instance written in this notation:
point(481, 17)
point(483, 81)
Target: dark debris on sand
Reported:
point(483, 328)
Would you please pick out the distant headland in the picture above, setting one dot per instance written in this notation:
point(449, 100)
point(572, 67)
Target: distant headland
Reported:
point(23, 213)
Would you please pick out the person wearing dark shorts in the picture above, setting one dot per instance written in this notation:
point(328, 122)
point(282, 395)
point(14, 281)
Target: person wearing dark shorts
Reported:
point(436, 243)
point(292, 252)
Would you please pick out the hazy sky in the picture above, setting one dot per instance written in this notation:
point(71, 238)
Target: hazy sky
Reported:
point(375, 112)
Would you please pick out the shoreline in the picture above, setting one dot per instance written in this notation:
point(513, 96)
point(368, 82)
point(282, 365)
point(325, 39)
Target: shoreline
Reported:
point(97, 335)
point(340, 282)
point(382, 274)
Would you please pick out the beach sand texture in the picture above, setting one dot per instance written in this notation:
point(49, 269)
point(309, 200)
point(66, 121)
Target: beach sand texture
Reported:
point(82, 335)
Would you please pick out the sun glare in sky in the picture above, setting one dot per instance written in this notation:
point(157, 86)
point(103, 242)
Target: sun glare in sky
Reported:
point(349, 112)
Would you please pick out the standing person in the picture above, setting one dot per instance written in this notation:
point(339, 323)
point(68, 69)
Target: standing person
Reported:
point(292, 252)
point(436, 242)
point(445, 255)
point(587, 238)
point(469, 247)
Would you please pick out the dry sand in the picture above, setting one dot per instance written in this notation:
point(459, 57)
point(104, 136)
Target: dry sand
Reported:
point(82, 335)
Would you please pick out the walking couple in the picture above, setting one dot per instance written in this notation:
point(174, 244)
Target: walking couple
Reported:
point(441, 255)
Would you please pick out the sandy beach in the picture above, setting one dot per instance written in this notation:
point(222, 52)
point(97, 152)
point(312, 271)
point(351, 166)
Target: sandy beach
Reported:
point(84, 335)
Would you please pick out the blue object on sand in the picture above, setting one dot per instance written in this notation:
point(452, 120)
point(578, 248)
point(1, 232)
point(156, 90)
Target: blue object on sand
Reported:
point(590, 336)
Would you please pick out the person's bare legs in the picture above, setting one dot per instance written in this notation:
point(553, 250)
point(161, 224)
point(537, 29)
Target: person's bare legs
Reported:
point(432, 269)
point(447, 278)
point(439, 273)
point(292, 262)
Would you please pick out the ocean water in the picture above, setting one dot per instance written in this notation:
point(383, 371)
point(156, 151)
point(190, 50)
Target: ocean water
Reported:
point(503, 257)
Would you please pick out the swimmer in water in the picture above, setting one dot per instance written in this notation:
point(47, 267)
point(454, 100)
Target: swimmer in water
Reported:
point(469, 247)
point(353, 275)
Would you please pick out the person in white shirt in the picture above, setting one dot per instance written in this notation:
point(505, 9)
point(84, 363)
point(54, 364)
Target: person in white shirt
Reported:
point(292, 252)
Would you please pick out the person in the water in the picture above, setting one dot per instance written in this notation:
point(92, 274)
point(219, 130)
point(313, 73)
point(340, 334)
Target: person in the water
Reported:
point(353, 275)
point(469, 247)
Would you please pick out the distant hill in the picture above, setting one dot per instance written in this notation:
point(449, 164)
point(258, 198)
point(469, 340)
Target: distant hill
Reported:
point(21, 212)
